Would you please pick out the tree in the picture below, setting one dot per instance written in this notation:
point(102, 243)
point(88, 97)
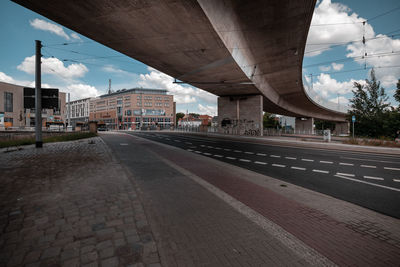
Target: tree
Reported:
point(369, 105)
point(179, 115)
point(269, 121)
point(397, 93)
point(323, 125)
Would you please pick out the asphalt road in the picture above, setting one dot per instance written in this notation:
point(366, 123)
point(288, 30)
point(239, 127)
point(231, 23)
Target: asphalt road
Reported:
point(368, 180)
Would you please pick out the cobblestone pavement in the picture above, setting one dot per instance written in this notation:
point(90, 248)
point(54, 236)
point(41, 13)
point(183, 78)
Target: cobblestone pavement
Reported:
point(71, 204)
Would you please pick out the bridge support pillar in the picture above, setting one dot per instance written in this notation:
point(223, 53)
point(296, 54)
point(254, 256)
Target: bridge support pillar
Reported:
point(240, 115)
point(304, 126)
point(342, 128)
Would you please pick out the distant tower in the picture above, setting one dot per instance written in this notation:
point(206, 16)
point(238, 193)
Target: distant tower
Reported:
point(109, 86)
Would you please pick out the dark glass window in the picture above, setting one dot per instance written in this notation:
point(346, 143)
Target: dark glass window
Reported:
point(8, 102)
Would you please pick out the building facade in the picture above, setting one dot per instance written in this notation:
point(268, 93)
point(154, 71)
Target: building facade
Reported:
point(79, 111)
point(14, 115)
point(133, 109)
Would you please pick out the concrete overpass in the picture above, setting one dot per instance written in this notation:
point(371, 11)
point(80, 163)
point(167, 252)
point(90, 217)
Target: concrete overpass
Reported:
point(249, 53)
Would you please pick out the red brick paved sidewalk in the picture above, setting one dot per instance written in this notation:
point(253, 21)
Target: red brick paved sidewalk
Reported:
point(335, 240)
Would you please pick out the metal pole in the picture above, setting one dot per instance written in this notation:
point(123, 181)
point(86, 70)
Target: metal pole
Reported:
point(69, 112)
point(353, 129)
point(38, 96)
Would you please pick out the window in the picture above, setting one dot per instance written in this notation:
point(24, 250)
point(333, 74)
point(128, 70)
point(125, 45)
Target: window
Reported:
point(166, 104)
point(139, 104)
point(128, 112)
point(119, 102)
point(8, 102)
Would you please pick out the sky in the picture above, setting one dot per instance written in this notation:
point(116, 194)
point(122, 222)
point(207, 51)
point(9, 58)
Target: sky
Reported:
point(332, 61)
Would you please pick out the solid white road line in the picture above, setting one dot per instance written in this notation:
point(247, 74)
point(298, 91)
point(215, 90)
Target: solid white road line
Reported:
point(310, 160)
point(346, 164)
point(260, 162)
point(279, 165)
point(320, 171)
point(345, 174)
point(261, 154)
point(274, 156)
point(230, 158)
point(368, 166)
point(325, 162)
point(218, 156)
point(373, 177)
point(298, 168)
point(247, 152)
point(290, 158)
point(390, 168)
point(364, 182)
point(244, 160)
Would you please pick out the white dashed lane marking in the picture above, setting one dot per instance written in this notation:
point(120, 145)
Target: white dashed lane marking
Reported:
point(325, 162)
point(290, 158)
point(396, 180)
point(373, 178)
point(188, 143)
point(190, 150)
point(261, 154)
point(218, 156)
point(123, 144)
point(279, 165)
point(207, 154)
point(298, 168)
point(345, 174)
point(227, 149)
point(198, 152)
point(260, 162)
point(310, 160)
point(320, 171)
point(231, 158)
point(237, 151)
point(368, 166)
point(346, 164)
point(248, 152)
point(390, 168)
point(244, 160)
point(274, 156)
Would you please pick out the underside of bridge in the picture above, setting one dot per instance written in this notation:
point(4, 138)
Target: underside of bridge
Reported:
point(231, 48)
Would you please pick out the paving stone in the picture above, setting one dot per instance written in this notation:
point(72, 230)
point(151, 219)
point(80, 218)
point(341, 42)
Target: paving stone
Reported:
point(51, 252)
point(111, 262)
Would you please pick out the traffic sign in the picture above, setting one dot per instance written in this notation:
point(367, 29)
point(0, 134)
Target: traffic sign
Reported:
point(353, 118)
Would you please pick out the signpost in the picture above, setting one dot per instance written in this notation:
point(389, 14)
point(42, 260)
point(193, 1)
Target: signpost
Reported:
point(353, 119)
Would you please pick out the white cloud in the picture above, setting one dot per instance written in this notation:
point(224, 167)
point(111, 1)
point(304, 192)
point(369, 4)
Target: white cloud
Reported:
point(48, 26)
point(328, 87)
point(54, 66)
point(79, 91)
point(342, 100)
point(75, 36)
point(182, 94)
point(325, 68)
point(208, 109)
point(8, 79)
point(323, 37)
point(115, 70)
point(337, 66)
point(379, 54)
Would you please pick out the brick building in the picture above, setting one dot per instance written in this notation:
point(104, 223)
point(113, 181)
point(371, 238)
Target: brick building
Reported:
point(13, 114)
point(134, 108)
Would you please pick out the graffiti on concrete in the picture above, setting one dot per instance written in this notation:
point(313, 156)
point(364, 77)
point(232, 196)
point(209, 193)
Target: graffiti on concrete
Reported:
point(240, 127)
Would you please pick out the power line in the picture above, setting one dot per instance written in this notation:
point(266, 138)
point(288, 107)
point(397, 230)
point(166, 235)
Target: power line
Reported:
point(356, 22)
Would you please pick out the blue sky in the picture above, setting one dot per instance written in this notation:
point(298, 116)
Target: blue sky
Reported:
point(77, 68)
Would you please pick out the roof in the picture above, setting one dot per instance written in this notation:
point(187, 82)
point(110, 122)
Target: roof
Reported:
point(137, 91)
